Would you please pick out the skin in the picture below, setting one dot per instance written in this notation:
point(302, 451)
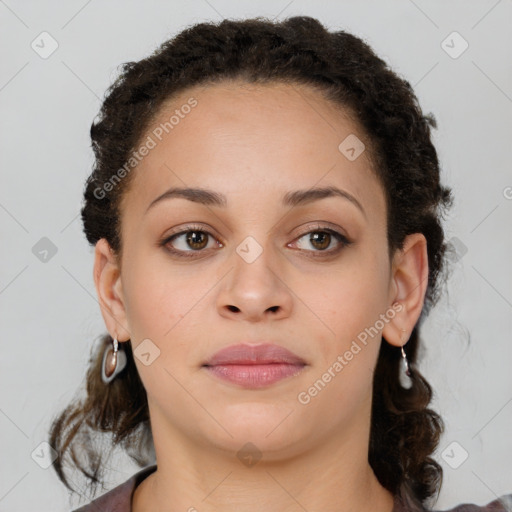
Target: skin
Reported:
point(254, 144)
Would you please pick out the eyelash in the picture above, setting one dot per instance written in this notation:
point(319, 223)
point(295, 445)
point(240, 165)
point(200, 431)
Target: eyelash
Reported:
point(345, 242)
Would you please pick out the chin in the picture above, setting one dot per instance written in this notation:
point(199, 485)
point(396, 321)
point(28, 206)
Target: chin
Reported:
point(251, 446)
point(268, 426)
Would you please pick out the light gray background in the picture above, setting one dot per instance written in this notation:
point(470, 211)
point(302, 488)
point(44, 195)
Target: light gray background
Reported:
point(49, 313)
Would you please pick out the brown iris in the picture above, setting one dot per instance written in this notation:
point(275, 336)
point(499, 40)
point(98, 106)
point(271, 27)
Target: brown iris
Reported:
point(192, 239)
point(321, 236)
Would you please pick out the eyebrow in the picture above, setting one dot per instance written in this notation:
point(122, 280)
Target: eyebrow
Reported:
point(292, 199)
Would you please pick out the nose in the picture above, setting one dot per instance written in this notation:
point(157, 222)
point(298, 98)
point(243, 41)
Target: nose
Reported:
point(255, 290)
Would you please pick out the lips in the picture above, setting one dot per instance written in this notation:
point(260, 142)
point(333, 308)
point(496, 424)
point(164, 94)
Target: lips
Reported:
point(253, 367)
point(243, 354)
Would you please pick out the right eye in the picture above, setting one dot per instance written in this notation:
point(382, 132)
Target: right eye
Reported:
point(191, 239)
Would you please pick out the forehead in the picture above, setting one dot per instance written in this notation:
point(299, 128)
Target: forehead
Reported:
point(268, 139)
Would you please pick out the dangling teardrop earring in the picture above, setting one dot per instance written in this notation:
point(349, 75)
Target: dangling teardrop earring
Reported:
point(114, 361)
point(405, 375)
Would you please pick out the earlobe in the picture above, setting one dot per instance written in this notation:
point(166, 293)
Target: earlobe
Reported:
point(408, 286)
point(107, 280)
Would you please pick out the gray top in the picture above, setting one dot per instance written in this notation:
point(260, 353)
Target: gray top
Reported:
point(119, 499)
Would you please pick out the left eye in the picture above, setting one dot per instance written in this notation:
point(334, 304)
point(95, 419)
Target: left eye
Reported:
point(321, 239)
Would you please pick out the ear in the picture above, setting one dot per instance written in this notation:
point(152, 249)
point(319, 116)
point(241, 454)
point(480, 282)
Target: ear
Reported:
point(408, 286)
point(107, 279)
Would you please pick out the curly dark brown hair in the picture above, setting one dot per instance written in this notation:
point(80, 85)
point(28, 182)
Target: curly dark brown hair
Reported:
point(298, 50)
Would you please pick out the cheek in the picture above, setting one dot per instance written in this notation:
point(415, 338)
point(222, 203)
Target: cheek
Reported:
point(154, 302)
point(346, 303)
point(166, 303)
point(345, 311)
point(346, 347)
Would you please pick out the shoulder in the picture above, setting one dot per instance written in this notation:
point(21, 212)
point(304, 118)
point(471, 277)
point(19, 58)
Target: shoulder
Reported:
point(119, 498)
point(501, 504)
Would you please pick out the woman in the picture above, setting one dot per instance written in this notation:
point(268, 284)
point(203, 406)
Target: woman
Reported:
point(265, 209)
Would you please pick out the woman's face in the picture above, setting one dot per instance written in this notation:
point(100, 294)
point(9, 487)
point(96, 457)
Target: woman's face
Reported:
point(258, 265)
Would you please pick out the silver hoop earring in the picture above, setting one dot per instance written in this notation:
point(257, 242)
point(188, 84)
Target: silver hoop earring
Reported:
point(405, 375)
point(114, 361)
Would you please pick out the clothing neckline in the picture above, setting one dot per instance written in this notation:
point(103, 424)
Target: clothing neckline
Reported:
point(140, 476)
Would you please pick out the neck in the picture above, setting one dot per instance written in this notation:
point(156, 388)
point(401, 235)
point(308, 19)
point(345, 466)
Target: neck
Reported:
point(334, 476)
